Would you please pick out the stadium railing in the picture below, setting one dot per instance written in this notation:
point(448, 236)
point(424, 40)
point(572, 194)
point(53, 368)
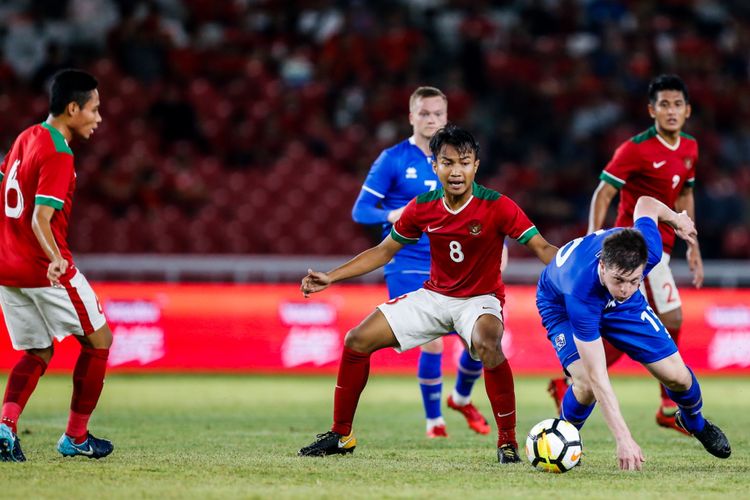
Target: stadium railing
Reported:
point(287, 269)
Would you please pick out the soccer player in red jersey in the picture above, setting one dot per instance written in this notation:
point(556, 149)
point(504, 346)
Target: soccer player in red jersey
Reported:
point(43, 295)
point(466, 224)
point(659, 162)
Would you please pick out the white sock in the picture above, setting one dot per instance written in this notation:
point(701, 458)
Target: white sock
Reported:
point(459, 399)
point(434, 422)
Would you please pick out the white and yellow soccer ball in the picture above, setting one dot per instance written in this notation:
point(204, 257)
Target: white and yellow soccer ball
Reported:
point(554, 445)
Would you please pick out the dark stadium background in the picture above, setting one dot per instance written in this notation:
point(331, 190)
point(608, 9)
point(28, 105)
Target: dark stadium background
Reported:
point(247, 127)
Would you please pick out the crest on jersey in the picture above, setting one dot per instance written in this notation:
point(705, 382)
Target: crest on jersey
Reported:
point(411, 173)
point(688, 163)
point(560, 341)
point(475, 227)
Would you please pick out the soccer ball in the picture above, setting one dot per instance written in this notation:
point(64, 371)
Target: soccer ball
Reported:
point(554, 445)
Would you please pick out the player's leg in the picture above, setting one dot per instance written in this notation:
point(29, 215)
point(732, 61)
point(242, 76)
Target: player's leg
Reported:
point(478, 321)
point(88, 382)
point(578, 401)
point(662, 294)
point(683, 388)
point(430, 376)
point(73, 308)
point(28, 333)
point(469, 370)
point(429, 367)
point(372, 334)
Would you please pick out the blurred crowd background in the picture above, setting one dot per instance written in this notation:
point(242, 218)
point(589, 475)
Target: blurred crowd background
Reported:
point(248, 126)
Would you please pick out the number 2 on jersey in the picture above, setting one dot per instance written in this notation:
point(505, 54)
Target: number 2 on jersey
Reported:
point(12, 185)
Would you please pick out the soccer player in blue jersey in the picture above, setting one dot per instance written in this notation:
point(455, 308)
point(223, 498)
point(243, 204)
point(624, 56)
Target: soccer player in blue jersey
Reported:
point(400, 173)
point(591, 291)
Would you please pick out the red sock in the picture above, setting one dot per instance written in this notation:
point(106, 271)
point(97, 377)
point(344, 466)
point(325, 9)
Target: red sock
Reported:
point(88, 380)
point(498, 383)
point(666, 401)
point(611, 352)
point(353, 372)
point(21, 383)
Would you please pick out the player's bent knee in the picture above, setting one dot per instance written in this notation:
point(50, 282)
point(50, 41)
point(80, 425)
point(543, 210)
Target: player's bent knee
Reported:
point(359, 341)
point(672, 320)
point(99, 339)
point(45, 354)
point(433, 347)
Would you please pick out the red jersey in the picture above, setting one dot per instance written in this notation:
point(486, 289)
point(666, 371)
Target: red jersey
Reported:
point(38, 170)
point(646, 165)
point(465, 245)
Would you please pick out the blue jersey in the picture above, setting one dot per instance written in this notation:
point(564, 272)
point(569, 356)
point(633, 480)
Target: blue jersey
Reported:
point(570, 289)
point(400, 173)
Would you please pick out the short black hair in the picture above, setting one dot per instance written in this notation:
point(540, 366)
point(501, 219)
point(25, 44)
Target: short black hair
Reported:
point(70, 85)
point(453, 135)
point(667, 82)
point(625, 250)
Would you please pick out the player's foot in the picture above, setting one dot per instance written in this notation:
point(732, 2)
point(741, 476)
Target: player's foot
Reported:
point(93, 447)
point(329, 443)
point(437, 431)
point(665, 418)
point(10, 446)
point(476, 421)
point(711, 437)
point(507, 454)
point(557, 388)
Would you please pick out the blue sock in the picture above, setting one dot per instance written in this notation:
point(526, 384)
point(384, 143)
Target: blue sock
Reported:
point(573, 411)
point(430, 378)
point(690, 403)
point(469, 370)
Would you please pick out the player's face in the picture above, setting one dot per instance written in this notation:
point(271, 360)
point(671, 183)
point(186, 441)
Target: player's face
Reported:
point(620, 284)
point(428, 115)
point(87, 118)
point(456, 170)
point(670, 110)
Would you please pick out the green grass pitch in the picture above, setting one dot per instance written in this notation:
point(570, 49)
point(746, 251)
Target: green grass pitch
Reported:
point(192, 436)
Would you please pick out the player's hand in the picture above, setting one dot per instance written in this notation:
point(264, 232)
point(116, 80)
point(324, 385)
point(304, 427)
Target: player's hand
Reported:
point(395, 215)
point(684, 227)
point(695, 262)
point(314, 282)
point(56, 270)
point(629, 454)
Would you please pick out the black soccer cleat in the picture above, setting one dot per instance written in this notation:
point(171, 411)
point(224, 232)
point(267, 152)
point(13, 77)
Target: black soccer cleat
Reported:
point(711, 437)
point(93, 447)
point(329, 443)
point(507, 454)
point(10, 446)
point(18, 455)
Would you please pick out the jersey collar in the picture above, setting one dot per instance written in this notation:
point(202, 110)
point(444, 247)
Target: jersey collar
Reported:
point(666, 144)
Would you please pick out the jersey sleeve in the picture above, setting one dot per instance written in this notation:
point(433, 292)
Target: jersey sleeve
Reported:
point(623, 164)
point(55, 174)
point(650, 232)
point(584, 317)
point(378, 181)
point(513, 221)
point(366, 210)
point(406, 230)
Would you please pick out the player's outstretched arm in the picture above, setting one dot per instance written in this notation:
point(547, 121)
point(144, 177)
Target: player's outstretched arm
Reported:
point(544, 250)
point(629, 454)
point(600, 201)
point(40, 224)
point(367, 261)
point(683, 225)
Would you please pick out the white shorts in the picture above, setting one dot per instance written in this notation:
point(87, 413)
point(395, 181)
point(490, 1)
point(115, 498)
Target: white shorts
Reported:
point(34, 316)
point(423, 315)
point(660, 289)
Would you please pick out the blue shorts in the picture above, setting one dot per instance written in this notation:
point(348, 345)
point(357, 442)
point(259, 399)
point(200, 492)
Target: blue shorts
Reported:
point(399, 283)
point(632, 327)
